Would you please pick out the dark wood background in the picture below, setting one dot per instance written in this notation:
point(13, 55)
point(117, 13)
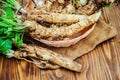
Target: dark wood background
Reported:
point(103, 63)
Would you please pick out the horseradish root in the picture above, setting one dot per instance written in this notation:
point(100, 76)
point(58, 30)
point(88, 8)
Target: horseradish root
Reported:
point(61, 18)
point(68, 42)
point(38, 31)
point(39, 53)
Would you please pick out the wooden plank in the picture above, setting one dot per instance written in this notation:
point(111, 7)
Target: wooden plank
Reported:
point(103, 63)
point(12, 69)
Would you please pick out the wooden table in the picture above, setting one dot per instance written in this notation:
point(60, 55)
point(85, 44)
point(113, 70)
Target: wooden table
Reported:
point(103, 63)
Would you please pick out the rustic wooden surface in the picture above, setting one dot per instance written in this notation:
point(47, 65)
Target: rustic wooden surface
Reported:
point(103, 63)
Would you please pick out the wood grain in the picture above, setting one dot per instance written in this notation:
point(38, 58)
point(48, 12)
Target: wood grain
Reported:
point(103, 63)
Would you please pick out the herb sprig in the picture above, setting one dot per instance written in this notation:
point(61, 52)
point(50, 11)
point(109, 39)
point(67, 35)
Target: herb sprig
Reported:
point(11, 27)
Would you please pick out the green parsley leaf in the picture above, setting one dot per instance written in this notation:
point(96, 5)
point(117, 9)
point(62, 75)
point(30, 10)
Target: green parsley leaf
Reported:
point(5, 45)
point(18, 40)
point(9, 12)
point(76, 1)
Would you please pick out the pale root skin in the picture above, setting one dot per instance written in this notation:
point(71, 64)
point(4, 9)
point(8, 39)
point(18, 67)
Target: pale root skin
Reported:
point(38, 31)
point(61, 18)
point(66, 43)
point(57, 17)
point(38, 53)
